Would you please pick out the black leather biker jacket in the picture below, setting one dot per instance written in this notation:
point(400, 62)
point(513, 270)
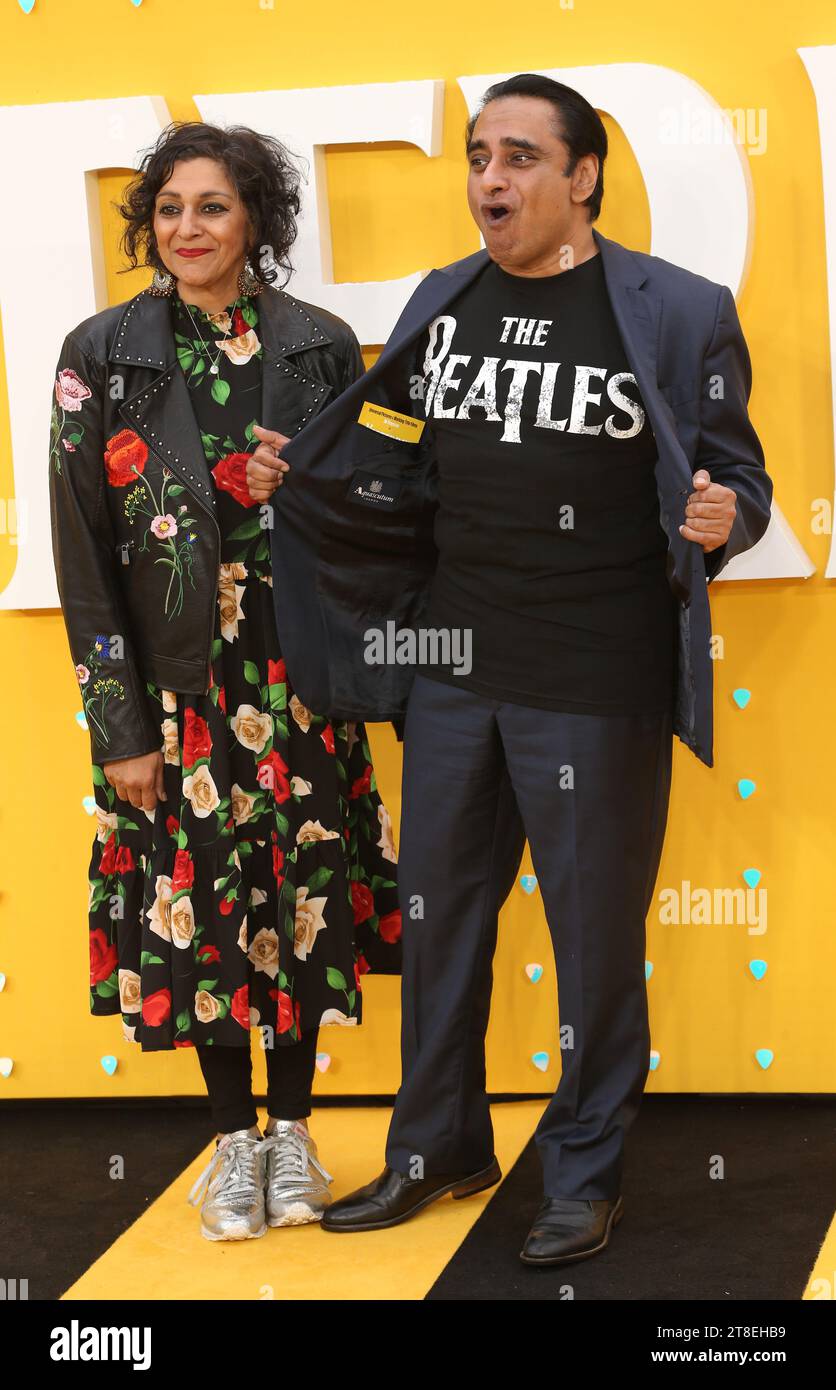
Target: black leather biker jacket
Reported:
point(120, 401)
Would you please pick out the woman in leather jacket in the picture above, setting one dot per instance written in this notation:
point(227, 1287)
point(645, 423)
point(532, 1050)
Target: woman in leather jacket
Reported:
point(243, 870)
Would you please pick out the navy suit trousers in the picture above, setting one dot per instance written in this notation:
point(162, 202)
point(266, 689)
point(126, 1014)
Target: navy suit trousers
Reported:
point(591, 793)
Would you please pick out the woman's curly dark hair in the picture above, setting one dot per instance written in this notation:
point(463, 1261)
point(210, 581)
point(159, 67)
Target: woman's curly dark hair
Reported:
point(259, 167)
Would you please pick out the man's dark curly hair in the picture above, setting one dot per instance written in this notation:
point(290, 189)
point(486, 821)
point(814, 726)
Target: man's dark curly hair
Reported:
point(259, 167)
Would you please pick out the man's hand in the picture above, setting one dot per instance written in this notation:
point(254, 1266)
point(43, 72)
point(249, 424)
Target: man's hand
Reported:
point(264, 467)
point(138, 780)
point(710, 512)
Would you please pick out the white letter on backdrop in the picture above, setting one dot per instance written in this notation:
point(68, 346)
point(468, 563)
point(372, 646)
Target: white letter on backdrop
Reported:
point(58, 245)
point(308, 119)
point(821, 70)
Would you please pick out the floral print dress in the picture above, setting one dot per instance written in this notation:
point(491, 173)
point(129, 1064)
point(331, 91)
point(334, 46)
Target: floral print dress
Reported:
point(263, 888)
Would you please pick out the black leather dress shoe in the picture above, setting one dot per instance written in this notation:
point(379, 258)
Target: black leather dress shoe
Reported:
point(566, 1230)
point(394, 1197)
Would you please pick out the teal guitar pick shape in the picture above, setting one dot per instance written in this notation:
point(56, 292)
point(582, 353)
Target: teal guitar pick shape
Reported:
point(541, 1060)
point(758, 968)
point(534, 973)
point(648, 969)
point(741, 697)
point(764, 1056)
point(655, 1059)
point(27, 5)
point(89, 804)
point(752, 877)
point(81, 719)
point(746, 787)
point(109, 1064)
point(528, 883)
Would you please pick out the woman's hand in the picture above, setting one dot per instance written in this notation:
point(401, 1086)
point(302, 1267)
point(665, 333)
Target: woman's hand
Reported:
point(264, 467)
point(138, 780)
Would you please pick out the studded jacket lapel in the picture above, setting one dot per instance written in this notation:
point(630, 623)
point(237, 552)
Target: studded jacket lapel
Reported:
point(160, 412)
point(288, 396)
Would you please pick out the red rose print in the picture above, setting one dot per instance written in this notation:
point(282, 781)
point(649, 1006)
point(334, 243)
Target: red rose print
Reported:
point(172, 825)
point(361, 966)
point(297, 1009)
point(230, 473)
point(185, 1042)
point(197, 741)
point(156, 1008)
point(277, 779)
point(327, 737)
point(285, 1012)
point(278, 863)
point(240, 327)
point(240, 1008)
point(125, 456)
point(222, 698)
point(276, 672)
point(124, 860)
point(207, 954)
point(390, 926)
point(225, 906)
point(362, 902)
point(183, 875)
point(362, 784)
point(107, 863)
point(103, 957)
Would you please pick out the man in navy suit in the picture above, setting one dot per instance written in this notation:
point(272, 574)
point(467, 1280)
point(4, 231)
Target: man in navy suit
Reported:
point(525, 497)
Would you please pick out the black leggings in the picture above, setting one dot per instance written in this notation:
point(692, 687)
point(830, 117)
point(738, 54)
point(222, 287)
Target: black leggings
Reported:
point(228, 1074)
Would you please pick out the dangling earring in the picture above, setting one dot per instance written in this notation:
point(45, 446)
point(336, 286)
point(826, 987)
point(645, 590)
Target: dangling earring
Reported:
point(162, 284)
point(247, 282)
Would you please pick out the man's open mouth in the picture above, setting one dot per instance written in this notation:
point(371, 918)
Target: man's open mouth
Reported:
point(496, 212)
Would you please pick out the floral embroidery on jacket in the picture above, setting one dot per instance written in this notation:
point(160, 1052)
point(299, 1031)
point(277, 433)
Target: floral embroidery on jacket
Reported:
point(169, 528)
point(70, 394)
point(97, 690)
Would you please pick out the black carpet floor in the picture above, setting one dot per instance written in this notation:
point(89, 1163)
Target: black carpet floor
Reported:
point(62, 1208)
point(752, 1234)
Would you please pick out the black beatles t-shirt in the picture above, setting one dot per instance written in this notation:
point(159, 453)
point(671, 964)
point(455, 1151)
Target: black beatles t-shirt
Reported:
point(551, 551)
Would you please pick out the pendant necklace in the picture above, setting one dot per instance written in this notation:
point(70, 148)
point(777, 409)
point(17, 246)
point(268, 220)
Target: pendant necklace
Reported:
point(214, 369)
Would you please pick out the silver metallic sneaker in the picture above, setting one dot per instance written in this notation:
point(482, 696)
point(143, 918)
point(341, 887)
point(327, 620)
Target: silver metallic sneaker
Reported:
point(233, 1205)
point(294, 1193)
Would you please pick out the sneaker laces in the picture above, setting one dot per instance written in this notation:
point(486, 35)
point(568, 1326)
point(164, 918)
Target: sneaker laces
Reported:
point(293, 1156)
point(233, 1164)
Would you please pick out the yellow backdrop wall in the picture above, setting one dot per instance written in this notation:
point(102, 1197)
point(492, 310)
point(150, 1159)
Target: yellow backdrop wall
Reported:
point(395, 211)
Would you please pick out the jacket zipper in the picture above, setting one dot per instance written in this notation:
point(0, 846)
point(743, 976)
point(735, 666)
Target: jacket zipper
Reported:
point(124, 547)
